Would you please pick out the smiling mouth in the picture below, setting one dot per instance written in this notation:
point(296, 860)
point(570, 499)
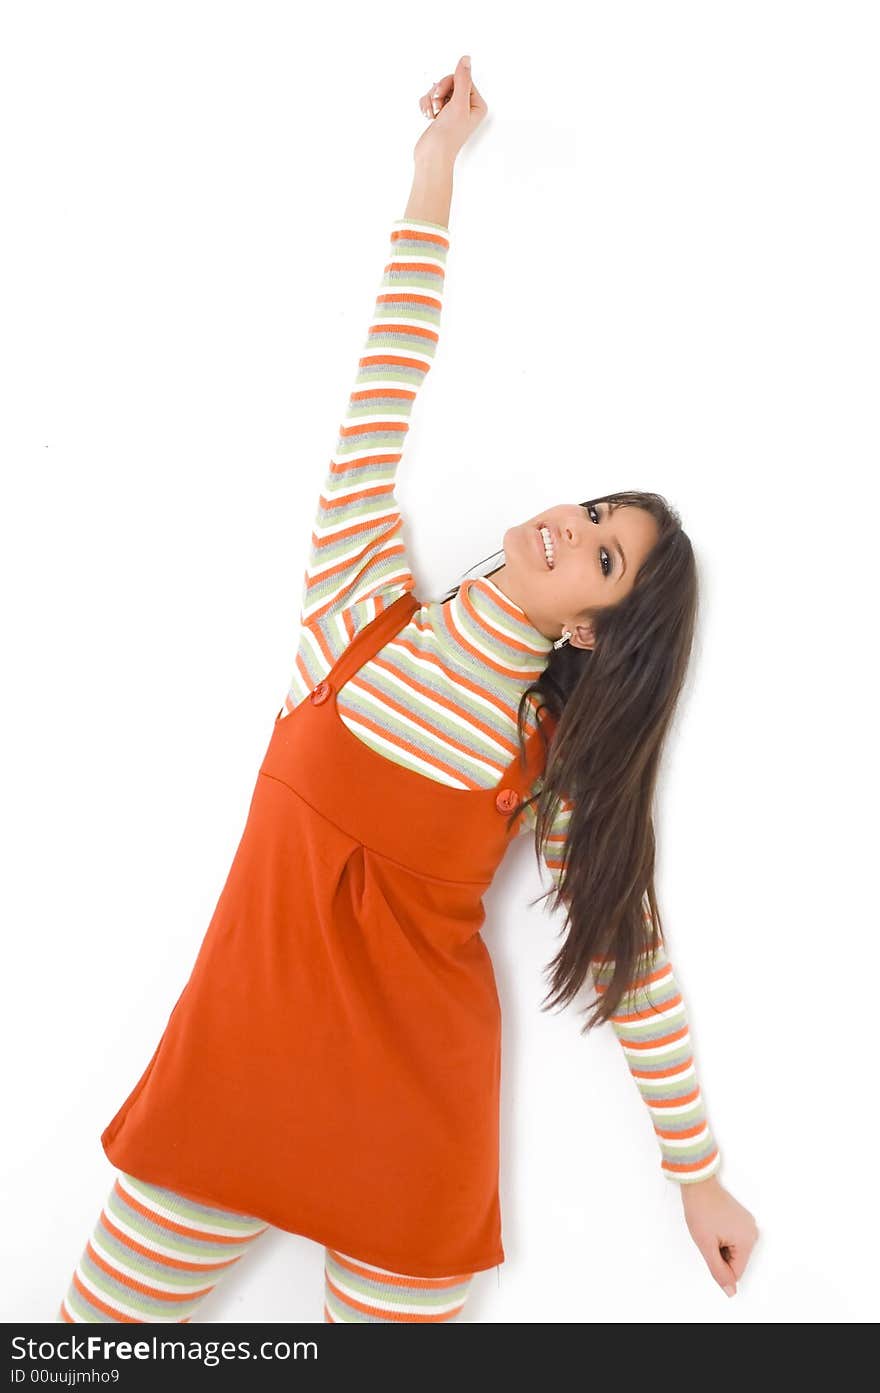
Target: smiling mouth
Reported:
point(549, 543)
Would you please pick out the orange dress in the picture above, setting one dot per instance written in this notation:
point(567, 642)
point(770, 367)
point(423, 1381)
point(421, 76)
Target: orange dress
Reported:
point(333, 1063)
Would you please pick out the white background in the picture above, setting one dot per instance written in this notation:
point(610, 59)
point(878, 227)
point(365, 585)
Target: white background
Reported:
point(663, 274)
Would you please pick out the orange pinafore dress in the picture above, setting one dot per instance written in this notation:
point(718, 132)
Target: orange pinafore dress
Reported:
point(332, 1065)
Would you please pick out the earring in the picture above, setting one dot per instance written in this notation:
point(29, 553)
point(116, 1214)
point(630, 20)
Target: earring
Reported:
point(566, 635)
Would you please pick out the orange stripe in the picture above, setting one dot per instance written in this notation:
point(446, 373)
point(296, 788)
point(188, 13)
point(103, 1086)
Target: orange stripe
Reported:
point(102, 1305)
point(303, 671)
point(147, 1252)
point(461, 679)
point(391, 545)
point(184, 1230)
point(395, 548)
point(367, 393)
point(406, 582)
point(408, 746)
point(639, 982)
point(467, 604)
point(341, 467)
point(675, 1102)
point(348, 623)
point(474, 722)
point(143, 1287)
point(395, 1278)
point(395, 268)
point(374, 493)
point(499, 599)
point(363, 525)
point(458, 637)
point(687, 1132)
point(422, 266)
point(419, 234)
point(654, 1044)
point(684, 1166)
point(369, 427)
point(389, 326)
point(356, 529)
point(322, 642)
point(655, 1076)
point(640, 1015)
point(378, 359)
point(381, 603)
point(328, 1319)
point(432, 760)
point(385, 1314)
point(409, 297)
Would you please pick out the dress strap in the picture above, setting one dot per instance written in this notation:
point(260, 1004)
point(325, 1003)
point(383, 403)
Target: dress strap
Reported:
point(535, 754)
point(371, 638)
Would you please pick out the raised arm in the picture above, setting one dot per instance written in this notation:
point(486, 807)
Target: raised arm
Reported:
point(356, 562)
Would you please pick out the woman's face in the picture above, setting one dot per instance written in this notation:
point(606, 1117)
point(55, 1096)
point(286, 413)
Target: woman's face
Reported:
point(596, 553)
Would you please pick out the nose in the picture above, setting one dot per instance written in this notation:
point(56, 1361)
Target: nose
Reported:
point(572, 530)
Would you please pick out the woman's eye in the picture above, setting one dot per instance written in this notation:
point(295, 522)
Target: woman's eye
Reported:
point(602, 552)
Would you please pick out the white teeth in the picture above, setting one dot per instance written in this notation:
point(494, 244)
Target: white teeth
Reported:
point(548, 546)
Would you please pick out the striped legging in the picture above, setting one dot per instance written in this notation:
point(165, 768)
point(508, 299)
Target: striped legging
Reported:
point(154, 1255)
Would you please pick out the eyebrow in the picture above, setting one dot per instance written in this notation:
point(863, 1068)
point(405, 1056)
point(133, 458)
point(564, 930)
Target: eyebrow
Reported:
point(619, 548)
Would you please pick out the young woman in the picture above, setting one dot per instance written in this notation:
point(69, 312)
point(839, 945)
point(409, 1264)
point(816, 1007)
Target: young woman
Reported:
point(332, 1065)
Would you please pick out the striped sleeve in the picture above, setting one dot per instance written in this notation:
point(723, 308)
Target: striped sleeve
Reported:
point(651, 1024)
point(357, 564)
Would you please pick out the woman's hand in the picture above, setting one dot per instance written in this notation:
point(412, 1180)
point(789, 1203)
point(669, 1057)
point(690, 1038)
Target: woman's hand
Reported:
point(723, 1230)
point(455, 109)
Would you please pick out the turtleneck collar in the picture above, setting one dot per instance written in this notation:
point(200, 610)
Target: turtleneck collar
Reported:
point(484, 619)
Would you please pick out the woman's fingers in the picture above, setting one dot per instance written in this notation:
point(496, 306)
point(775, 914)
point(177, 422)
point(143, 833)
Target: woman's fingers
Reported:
point(441, 92)
point(437, 96)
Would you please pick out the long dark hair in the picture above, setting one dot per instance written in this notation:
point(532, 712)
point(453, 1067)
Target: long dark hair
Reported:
point(613, 706)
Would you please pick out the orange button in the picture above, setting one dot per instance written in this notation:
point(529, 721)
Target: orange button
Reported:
point(321, 692)
point(507, 800)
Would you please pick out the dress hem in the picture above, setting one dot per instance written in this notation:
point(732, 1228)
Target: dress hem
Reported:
point(399, 1266)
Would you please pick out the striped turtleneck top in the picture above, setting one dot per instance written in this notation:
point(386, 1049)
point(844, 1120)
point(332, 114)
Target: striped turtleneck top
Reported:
point(441, 697)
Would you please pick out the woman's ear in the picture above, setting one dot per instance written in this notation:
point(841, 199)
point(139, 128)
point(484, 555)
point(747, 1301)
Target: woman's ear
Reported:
point(582, 636)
